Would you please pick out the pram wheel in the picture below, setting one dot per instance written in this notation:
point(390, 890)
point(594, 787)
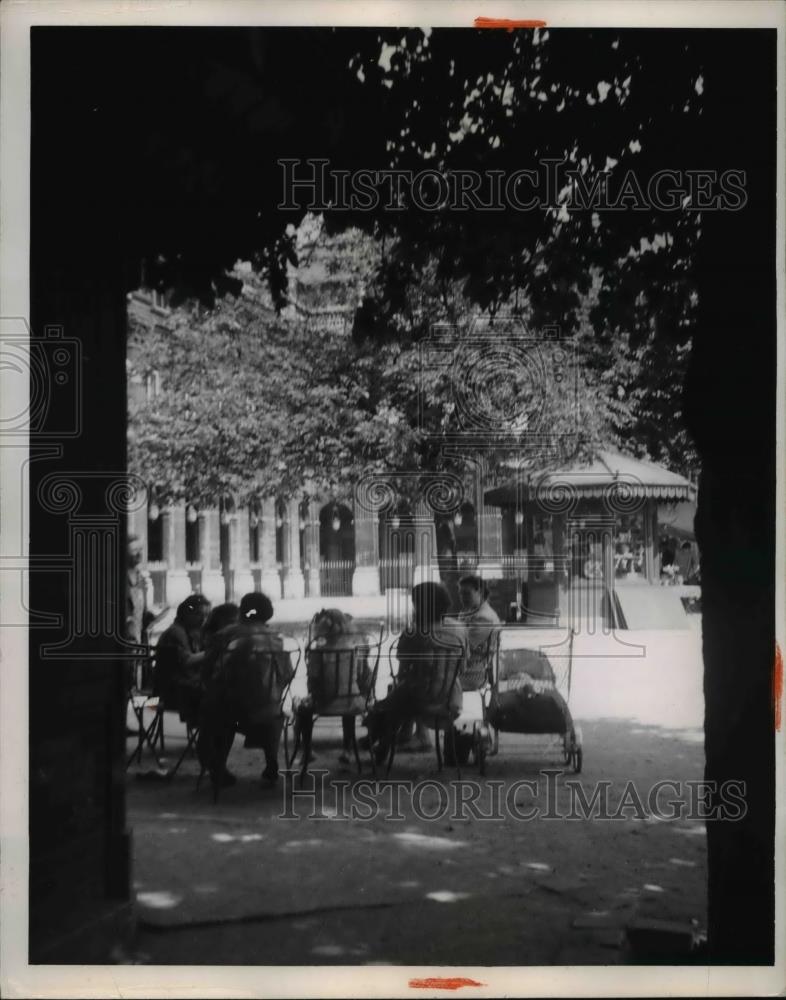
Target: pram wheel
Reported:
point(480, 747)
point(465, 744)
point(573, 752)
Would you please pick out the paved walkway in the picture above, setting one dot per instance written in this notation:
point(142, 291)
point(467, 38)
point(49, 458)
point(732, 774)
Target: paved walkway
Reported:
point(240, 883)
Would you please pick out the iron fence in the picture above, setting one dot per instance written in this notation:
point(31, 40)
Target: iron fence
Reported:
point(335, 577)
point(397, 574)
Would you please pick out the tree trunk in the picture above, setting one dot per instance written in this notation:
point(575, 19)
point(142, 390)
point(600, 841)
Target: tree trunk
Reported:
point(731, 410)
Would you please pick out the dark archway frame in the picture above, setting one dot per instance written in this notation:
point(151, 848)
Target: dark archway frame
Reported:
point(81, 268)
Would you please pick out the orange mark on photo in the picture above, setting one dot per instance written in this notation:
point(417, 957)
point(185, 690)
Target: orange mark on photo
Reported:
point(777, 686)
point(453, 983)
point(506, 23)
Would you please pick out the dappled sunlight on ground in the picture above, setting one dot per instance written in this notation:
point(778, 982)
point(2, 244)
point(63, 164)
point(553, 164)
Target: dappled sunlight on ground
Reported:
point(158, 900)
point(299, 845)
point(240, 838)
point(330, 890)
point(427, 843)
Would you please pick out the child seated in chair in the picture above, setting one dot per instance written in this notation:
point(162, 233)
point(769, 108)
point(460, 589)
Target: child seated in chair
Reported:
point(338, 674)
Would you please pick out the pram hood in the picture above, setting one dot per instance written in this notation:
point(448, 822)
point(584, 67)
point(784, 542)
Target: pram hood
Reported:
point(540, 653)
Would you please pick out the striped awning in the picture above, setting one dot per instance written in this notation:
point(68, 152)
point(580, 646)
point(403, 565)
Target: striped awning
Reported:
point(609, 471)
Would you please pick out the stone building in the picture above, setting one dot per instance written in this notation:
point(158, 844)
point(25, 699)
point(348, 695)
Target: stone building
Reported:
point(312, 545)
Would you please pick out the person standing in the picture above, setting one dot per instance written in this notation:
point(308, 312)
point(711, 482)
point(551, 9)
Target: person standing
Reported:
point(136, 592)
point(137, 615)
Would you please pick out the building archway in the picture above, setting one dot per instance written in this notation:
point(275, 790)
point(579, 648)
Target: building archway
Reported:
point(336, 549)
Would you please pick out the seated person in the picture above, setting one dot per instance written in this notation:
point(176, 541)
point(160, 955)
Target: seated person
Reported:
point(179, 657)
point(477, 614)
point(245, 673)
point(330, 688)
point(623, 561)
point(420, 691)
point(593, 567)
point(222, 616)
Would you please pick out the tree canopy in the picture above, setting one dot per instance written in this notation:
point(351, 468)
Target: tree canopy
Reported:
point(234, 102)
point(255, 403)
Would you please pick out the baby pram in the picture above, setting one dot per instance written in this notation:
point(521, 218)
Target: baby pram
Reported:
point(531, 688)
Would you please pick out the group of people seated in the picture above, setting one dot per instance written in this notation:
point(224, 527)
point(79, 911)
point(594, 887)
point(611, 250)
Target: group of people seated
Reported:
point(207, 668)
point(226, 671)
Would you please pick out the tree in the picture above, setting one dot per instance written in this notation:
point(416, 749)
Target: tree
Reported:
point(255, 404)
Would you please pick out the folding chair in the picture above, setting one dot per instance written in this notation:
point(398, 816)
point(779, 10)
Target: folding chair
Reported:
point(141, 697)
point(341, 682)
point(257, 684)
point(432, 676)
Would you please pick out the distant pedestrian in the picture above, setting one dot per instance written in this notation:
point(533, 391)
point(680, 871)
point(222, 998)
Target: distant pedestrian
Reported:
point(136, 592)
point(137, 615)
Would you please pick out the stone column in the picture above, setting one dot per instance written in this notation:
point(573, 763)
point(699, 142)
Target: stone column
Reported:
point(210, 556)
point(178, 582)
point(425, 533)
point(365, 578)
point(294, 584)
point(489, 520)
point(651, 568)
point(240, 553)
point(271, 580)
point(311, 543)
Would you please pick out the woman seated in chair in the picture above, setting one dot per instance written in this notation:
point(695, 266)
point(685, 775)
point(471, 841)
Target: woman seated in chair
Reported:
point(246, 673)
point(431, 655)
point(179, 655)
point(477, 614)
